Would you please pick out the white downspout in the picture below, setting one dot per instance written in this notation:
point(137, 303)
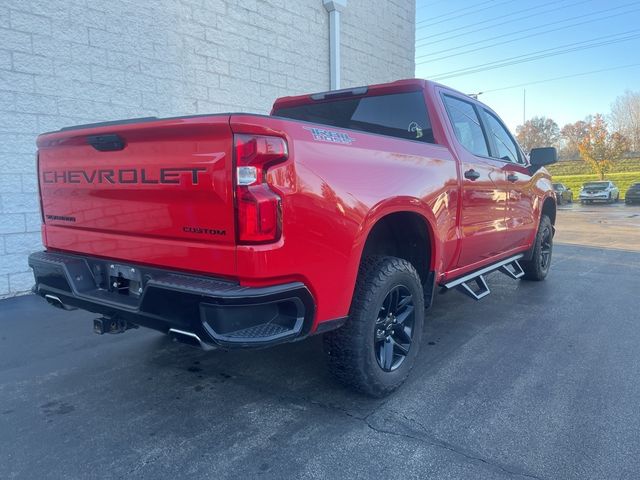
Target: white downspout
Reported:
point(334, 7)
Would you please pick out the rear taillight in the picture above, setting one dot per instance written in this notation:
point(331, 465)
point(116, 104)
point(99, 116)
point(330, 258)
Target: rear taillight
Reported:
point(259, 211)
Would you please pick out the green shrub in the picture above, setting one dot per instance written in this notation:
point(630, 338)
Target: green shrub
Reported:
point(579, 167)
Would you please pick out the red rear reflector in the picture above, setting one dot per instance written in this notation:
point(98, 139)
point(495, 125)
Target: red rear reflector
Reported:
point(259, 213)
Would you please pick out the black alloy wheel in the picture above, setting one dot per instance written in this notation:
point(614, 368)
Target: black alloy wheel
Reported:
point(394, 328)
point(546, 248)
point(378, 345)
point(537, 266)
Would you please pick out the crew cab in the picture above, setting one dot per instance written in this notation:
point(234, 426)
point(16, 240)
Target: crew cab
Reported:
point(340, 213)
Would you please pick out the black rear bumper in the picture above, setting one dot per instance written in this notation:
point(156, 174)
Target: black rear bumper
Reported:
point(211, 311)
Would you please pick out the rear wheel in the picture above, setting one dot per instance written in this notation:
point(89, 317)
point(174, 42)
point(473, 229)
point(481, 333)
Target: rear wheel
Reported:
point(538, 267)
point(377, 347)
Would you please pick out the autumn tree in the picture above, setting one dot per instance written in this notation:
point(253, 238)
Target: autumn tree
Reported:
point(600, 148)
point(571, 136)
point(625, 117)
point(538, 132)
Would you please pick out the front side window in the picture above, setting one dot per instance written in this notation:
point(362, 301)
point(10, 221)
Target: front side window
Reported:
point(506, 147)
point(466, 125)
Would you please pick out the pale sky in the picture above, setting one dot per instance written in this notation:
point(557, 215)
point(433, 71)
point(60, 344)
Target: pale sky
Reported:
point(469, 35)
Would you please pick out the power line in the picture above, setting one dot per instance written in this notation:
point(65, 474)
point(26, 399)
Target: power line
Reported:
point(467, 13)
point(507, 64)
point(455, 11)
point(524, 17)
point(535, 27)
point(425, 5)
point(563, 77)
point(492, 19)
point(549, 52)
point(522, 37)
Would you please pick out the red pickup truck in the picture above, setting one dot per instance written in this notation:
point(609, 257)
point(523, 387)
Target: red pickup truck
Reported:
point(340, 213)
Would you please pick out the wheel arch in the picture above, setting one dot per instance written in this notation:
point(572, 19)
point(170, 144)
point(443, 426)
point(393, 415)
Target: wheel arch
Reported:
point(549, 208)
point(404, 231)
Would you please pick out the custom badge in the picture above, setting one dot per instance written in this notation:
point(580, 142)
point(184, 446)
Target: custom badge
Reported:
point(331, 136)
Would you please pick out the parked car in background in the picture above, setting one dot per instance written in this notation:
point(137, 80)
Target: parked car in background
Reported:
point(603, 191)
point(563, 193)
point(633, 194)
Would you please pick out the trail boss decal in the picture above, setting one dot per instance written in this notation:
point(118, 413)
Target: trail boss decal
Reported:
point(323, 135)
point(164, 176)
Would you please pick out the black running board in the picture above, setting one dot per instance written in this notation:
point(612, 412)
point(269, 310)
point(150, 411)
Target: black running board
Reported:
point(474, 284)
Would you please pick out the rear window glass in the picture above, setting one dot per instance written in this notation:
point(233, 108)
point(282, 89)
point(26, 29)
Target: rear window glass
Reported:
point(402, 115)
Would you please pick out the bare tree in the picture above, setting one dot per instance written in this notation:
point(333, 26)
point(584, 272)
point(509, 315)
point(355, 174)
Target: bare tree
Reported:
point(625, 117)
point(571, 136)
point(538, 132)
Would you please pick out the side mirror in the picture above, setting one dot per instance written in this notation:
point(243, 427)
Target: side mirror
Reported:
point(539, 157)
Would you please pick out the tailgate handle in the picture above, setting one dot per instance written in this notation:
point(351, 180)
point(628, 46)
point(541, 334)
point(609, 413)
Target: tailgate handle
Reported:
point(106, 143)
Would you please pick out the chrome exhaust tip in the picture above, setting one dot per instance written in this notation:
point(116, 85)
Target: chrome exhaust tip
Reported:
point(56, 302)
point(189, 338)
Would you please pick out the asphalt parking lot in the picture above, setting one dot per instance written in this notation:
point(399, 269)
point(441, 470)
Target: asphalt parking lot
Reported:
point(535, 381)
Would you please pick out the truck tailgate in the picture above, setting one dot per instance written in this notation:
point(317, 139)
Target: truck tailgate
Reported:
point(156, 192)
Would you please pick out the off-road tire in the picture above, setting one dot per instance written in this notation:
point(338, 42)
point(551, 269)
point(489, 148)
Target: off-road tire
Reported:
point(350, 350)
point(537, 267)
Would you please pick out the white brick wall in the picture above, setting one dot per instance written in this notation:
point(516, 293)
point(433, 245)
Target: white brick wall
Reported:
point(64, 62)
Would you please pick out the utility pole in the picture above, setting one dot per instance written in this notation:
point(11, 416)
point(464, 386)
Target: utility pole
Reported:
point(524, 114)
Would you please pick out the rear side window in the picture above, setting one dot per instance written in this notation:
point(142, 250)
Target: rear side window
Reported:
point(466, 125)
point(402, 115)
point(506, 147)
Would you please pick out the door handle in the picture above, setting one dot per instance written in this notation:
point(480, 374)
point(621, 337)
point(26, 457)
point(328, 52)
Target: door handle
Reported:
point(471, 175)
point(512, 177)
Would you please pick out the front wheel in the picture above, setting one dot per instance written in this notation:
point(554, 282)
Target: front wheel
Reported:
point(537, 267)
point(377, 347)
